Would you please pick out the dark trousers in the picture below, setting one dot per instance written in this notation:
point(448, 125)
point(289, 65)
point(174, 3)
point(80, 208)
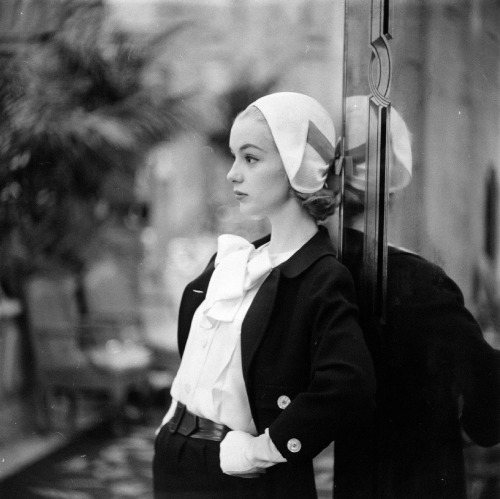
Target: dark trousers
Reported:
point(189, 468)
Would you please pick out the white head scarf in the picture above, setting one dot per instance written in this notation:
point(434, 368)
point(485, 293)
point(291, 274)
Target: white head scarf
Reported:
point(400, 159)
point(304, 135)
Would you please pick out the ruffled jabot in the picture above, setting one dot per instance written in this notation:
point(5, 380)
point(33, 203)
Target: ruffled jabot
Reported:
point(239, 266)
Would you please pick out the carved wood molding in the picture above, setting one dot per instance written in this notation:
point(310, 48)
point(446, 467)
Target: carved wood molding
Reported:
point(376, 195)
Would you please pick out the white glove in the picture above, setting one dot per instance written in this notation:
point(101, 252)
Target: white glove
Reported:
point(244, 455)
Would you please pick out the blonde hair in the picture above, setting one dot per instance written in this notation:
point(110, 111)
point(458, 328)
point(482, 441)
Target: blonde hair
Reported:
point(320, 204)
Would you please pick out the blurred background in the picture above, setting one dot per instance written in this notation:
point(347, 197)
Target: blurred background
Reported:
point(115, 118)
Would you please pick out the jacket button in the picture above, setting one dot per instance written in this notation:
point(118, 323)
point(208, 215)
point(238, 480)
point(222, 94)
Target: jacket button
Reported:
point(294, 445)
point(283, 401)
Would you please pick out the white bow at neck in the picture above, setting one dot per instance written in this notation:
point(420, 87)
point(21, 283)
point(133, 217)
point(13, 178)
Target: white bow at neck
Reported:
point(239, 266)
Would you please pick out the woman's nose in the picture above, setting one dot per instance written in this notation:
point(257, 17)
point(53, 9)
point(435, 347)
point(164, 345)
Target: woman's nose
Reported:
point(234, 175)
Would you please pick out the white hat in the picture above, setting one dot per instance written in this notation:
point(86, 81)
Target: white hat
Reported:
point(400, 160)
point(304, 135)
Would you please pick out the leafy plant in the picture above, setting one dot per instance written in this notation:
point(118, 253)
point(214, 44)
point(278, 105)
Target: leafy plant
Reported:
point(76, 104)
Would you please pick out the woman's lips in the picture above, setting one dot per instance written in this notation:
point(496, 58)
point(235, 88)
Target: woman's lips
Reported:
point(239, 195)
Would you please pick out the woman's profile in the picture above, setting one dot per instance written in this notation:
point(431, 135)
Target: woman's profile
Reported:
point(274, 366)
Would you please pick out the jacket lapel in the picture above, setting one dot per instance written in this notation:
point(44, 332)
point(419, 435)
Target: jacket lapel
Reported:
point(194, 294)
point(257, 319)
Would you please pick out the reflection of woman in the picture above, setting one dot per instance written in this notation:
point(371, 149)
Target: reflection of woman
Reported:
point(274, 366)
point(435, 373)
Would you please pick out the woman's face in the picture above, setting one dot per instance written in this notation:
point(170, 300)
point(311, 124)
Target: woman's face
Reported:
point(259, 180)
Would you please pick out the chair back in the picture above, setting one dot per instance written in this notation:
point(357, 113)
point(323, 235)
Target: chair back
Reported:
point(111, 301)
point(53, 320)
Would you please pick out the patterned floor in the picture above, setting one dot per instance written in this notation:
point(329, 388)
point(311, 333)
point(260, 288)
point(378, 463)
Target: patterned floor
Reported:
point(95, 466)
point(101, 466)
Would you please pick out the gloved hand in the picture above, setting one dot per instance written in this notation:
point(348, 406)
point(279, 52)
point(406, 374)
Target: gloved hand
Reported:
point(242, 454)
point(233, 455)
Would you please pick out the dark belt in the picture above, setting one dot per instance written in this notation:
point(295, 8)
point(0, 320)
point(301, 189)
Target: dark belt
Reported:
point(190, 425)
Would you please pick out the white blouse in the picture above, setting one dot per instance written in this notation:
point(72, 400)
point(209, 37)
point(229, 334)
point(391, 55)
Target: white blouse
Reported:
point(210, 378)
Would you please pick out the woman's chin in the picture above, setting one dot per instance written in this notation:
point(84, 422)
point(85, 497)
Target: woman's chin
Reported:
point(251, 215)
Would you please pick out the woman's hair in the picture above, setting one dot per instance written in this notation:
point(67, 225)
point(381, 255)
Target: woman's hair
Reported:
point(354, 203)
point(320, 204)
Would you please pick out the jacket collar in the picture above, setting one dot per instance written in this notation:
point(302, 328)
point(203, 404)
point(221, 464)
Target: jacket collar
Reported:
point(355, 241)
point(258, 316)
point(317, 247)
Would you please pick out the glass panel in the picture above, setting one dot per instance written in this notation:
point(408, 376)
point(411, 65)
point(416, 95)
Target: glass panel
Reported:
point(445, 86)
point(443, 164)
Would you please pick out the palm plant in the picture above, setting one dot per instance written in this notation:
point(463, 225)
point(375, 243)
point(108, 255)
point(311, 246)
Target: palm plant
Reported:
point(76, 104)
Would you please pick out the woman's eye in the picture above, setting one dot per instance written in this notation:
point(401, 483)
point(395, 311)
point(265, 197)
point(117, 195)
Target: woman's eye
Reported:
point(250, 159)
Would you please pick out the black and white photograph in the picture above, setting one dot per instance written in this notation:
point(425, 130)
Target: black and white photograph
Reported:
point(249, 249)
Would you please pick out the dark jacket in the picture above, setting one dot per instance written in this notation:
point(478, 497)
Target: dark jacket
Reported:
point(300, 340)
point(434, 372)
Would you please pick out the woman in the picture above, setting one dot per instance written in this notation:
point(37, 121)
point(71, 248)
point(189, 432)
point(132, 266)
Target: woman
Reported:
point(274, 366)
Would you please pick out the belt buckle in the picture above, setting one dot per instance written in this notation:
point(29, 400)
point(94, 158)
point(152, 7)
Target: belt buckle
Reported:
point(188, 424)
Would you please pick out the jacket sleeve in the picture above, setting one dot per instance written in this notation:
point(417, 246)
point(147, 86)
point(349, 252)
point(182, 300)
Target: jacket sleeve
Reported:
point(477, 368)
point(435, 315)
point(341, 393)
